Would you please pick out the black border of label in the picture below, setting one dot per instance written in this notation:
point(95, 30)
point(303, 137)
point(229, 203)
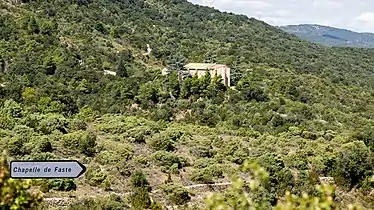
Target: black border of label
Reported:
point(47, 161)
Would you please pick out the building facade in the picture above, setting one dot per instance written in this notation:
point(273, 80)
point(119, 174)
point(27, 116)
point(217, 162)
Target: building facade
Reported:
point(215, 70)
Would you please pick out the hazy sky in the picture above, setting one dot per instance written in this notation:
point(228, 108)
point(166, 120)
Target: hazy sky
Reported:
point(356, 15)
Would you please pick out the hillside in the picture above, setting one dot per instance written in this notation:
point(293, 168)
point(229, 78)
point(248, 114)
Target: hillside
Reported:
point(303, 111)
point(331, 36)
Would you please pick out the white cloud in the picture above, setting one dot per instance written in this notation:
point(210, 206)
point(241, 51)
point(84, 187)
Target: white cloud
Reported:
point(355, 15)
point(367, 20)
point(366, 17)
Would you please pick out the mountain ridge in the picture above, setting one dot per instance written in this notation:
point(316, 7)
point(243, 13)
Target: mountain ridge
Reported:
point(331, 36)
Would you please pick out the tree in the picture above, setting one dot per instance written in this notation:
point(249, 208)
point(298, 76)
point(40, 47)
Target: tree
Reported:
point(147, 95)
point(173, 84)
point(121, 69)
point(216, 90)
point(140, 198)
point(33, 26)
point(29, 95)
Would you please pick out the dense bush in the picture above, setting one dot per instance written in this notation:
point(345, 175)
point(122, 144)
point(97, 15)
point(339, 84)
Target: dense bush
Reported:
point(165, 140)
point(354, 163)
point(169, 161)
point(59, 185)
point(95, 176)
point(206, 175)
point(85, 143)
point(112, 153)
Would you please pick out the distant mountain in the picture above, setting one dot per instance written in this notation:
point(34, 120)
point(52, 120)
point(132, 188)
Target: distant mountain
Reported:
point(331, 36)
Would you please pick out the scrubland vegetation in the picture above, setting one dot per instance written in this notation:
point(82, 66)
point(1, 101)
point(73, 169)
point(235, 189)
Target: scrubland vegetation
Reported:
point(300, 110)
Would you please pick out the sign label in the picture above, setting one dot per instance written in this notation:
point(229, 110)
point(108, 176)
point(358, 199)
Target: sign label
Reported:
point(46, 169)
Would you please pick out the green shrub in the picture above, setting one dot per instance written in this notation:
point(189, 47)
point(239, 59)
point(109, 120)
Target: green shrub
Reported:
point(85, 143)
point(86, 114)
point(44, 145)
point(281, 177)
point(203, 151)
point(76, 125)
point(234, 151)
point(206, 175)
point(353, 164)
point(141, 159)
point(169, 160)
point(62, 185)
point(95, 176)
point(15, 146)
point(51, 122)
point(140, 199)
point(177, 194)
point(6, 121)
point(138, 134)
point(139, 180)
point(204, 163)
point(112, 153)
point(165, 140)
point(12, 109)
point(106, 184)
point(40, 156)
point(121, 124)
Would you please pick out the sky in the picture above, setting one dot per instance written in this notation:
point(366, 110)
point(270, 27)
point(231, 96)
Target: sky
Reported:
point(356, 15)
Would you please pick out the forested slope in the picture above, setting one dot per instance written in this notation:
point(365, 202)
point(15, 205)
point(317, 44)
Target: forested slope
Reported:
point(302, 110)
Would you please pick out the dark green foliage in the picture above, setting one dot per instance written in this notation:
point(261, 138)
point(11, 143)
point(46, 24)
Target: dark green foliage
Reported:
point(366, 135)
point(139, 180)
point(138, 134)
point(147, 95)
point(62, 185)
point(281, 178)
point(15, 146)
point(354, 164)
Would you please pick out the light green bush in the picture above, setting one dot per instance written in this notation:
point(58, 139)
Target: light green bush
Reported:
point(95, 176)
point(169, 160)
point(206, 175)
point(113, 152)
point(84, 142)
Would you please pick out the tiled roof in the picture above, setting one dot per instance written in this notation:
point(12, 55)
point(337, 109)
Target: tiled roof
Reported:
point(202, 65)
